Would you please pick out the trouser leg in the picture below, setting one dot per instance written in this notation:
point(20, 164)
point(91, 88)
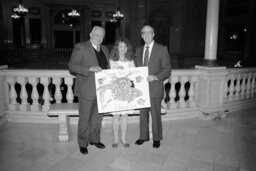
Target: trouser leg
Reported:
point(156, 118)
point(96, 121)
point(85, 108)
point(144, 120)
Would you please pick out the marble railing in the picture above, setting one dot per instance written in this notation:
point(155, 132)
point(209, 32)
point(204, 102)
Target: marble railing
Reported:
point(26, 95)
point(239, 92)
point(30, 93)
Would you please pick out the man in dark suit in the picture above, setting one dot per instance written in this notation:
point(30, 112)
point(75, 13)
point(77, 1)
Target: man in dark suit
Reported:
point(87, 58)
point(157, 58)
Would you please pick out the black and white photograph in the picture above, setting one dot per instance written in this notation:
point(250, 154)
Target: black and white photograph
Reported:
point(127, 85)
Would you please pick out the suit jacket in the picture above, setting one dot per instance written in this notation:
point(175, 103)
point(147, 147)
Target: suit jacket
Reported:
point(83, 57)
point(158, 64)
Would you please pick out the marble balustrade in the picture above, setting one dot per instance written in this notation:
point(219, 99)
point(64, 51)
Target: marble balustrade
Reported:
point(30, 93)
point(240, 89)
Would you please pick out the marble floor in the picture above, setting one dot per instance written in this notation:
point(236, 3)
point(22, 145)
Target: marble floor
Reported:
point(189, 145)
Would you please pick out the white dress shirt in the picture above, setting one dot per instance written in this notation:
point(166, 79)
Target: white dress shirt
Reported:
point(149, 49)
point(94, 46)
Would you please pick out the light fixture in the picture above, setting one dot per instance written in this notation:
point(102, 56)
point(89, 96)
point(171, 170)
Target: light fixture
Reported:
point(117, 17)
point(234, 36)
point(73, 18)
point(20, 10)
point(74, 13)
point(245, 29)
point(15, 16)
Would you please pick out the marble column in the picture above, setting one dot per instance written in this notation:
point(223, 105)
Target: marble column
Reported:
point(211, 37)
point(211, 77)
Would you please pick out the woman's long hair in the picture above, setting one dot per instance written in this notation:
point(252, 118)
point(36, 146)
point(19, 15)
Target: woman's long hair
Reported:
point(114, 54)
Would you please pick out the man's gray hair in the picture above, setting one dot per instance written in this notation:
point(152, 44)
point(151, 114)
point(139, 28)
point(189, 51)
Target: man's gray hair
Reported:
point(149, 27)
point(97, 28)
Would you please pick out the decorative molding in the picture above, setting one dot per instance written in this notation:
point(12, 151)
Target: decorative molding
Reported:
point(109, 14)
point(96, 13)
point(34, 10)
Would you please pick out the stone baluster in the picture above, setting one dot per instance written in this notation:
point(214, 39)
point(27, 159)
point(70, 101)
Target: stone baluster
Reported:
point(238, 87)
point(248, 85)
point(34, 95)
point(191, 92)
point(243, 87)
point(57, 95)
point(172, 93)
point(70, 95)
point(12, 93)
point(226, 89)
point(24, 106)
point(253, 85)
point(231, 88)
point(163, 104)
point(182, 92)
point(46, 95)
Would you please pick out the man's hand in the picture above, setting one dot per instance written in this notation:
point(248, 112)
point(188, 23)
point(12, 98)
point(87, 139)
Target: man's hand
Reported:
point(151, 78)
point(95, 69)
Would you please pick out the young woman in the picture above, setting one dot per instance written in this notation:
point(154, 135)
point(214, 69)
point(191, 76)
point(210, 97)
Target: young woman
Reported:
point(121, 58)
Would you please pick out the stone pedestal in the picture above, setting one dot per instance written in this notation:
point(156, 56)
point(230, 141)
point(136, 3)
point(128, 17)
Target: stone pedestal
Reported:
point(210, 90)
point(64, 131)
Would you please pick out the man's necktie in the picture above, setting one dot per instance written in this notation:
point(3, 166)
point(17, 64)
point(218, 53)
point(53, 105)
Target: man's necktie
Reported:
point(98, 48)
point(146, 55)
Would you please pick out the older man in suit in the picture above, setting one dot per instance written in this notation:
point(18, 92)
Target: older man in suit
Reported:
point(157, 58)
point(87, 58)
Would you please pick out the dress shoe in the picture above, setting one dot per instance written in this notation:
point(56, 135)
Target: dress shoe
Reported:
point(126, 145)
point(98, 145)
point(114, 145)
point(139, 142)
point(156, 144)
point(83, 150)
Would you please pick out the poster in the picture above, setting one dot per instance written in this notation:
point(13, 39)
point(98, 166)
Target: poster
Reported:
point(122, 89)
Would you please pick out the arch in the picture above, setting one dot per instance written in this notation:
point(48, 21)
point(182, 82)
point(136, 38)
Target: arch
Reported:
point(62, 24)
point(61, 17)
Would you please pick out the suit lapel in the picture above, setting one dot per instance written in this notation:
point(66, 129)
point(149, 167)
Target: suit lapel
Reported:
point(141, 55)
point(153, 54)
point(94, 57)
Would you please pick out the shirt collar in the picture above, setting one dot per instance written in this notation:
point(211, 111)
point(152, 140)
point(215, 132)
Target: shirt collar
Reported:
point(94, 46)
point(150, 45)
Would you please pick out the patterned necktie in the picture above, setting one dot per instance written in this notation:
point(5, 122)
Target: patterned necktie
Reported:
point(98, 48)
point(146, 55)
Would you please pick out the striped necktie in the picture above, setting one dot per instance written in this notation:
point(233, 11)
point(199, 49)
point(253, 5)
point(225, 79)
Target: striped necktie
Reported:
point(146, 55)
